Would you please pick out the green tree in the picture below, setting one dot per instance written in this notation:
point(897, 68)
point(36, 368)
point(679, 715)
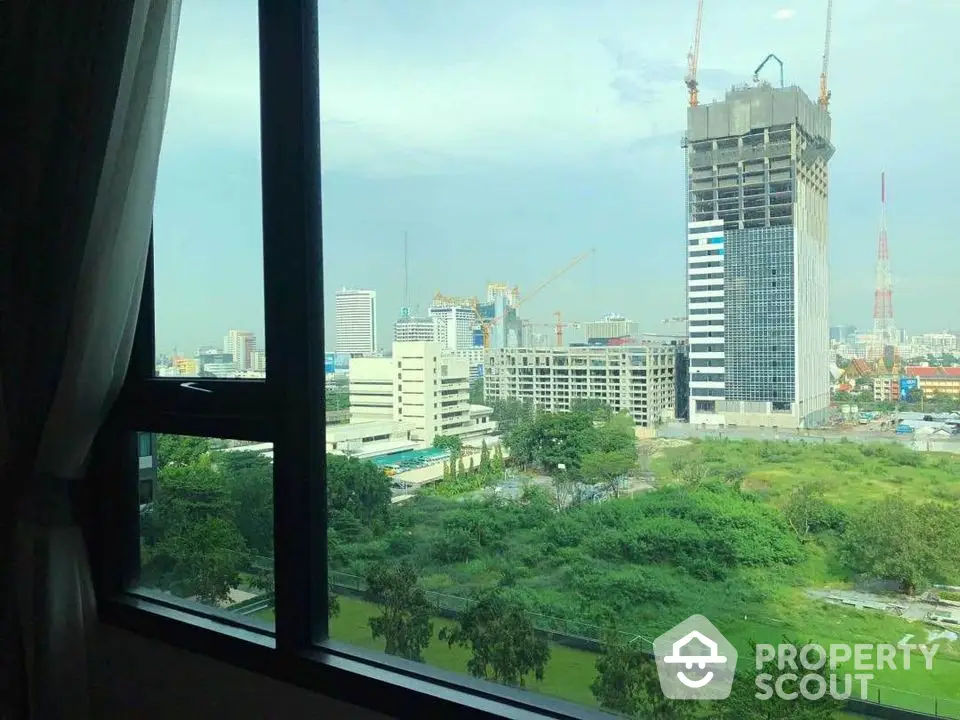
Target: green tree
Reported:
point(448, 442)
point(899, 540)
point(496, 463)
point(627, 683)
point(503, 641)
point(597, 409)
point(484, 457)
point(461, 470)
point(510, 414)
point(476, 392)
point(617, 434)
point(191, 544)
point(404, 622)
point(357, 490)
point(180, 450)
point(333, 604)
point(605, 467)
point(248, 477)
point(805, 509)
point(744, 703)
point(563, 439)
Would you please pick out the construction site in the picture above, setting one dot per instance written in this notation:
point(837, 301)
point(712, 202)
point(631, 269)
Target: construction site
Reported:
point(757, 260)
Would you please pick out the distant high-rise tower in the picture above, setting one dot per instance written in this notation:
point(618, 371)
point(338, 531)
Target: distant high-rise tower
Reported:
point(884, 331)
point(240, 345)
point(454, 326)
point(356, 322)
point(757, 258)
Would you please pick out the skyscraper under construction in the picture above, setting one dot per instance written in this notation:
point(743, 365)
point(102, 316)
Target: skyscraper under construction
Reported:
point(757, 276)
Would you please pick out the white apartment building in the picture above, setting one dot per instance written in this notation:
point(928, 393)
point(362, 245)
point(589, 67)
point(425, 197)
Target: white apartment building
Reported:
point(454, 326)
point(415, 329)
point(611, 326)
point(356, 322)
point(240, 345)
point(419, 387)
point(635, 379)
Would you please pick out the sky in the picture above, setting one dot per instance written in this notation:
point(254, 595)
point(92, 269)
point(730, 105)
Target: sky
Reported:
point(504, 138)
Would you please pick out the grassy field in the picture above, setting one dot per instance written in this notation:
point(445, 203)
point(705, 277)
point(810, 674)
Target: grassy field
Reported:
point(567, 565)
point(568, 675)
point(570, 672)
point(851, 472)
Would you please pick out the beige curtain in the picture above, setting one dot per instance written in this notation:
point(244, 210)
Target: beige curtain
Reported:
point(103, 237)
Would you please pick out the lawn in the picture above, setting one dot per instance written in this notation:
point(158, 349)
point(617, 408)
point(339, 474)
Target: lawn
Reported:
point(568, 674)
point(570, 671)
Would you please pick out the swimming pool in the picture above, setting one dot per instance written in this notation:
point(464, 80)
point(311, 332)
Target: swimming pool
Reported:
point(409, 459)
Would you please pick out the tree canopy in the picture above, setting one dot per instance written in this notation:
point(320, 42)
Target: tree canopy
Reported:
point(913, 544)
point(502, 638)
point(404, 622)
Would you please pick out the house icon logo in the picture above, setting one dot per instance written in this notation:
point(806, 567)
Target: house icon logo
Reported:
point(695, 661)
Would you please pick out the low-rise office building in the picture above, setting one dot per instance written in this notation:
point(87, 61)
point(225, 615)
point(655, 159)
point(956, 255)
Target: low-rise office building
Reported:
point(638, 380)
point(419, 387)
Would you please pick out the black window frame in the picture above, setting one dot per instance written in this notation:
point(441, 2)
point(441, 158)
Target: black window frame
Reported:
point(286, 409)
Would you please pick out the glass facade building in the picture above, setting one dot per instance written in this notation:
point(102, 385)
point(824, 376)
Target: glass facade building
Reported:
point(757, 279)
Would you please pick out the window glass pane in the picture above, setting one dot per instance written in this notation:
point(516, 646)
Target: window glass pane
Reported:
point(523, 467)
point(207, 219)
point(206, 523)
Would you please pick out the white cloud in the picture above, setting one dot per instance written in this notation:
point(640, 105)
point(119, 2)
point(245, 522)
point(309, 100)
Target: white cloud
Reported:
point(533, 83)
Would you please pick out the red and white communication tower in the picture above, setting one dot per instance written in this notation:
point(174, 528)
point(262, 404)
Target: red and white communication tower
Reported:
point(884, 332)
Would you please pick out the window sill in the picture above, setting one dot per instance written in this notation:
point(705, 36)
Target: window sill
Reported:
point(392, 686)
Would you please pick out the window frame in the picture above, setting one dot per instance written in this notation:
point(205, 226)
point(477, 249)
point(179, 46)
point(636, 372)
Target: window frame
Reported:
point(286, 409)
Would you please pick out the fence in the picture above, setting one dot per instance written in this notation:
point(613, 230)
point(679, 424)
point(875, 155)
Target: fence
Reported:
point(562, 630)
point(881, 701)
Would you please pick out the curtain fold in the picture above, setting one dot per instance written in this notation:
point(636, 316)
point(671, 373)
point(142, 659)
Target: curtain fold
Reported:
point(92, 86)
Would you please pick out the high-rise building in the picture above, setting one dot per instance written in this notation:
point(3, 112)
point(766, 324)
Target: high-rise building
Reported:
point(757, 258)
point(409, 328)
point(258, 361)
point(240, 344)
point(455, 326)
point(212, 361)
point(356, 322)
point(501, 290)
point(610, 327)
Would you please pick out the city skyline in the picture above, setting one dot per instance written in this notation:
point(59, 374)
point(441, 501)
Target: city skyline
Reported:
point(564, 150)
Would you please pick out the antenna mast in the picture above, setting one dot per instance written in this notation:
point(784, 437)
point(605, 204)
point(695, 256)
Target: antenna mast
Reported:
point(884, 332)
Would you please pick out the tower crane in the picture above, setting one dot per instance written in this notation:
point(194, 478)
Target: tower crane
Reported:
point(824, 100)
point(487, 326)
point(561, 324)
point(693, 58)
